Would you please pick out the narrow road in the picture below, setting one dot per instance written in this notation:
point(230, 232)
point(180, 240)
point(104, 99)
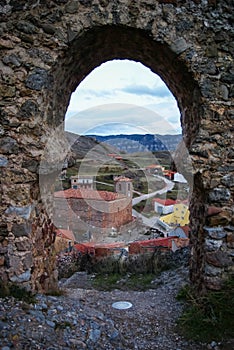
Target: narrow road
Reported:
point(151, 222)
point(168, 186)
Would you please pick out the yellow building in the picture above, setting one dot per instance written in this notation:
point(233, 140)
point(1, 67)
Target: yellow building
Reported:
point(180, 216)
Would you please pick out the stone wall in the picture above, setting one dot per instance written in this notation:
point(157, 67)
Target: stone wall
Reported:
point(47, 48)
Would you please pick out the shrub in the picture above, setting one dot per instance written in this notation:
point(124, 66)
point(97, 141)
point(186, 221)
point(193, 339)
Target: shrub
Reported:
point(208, 316)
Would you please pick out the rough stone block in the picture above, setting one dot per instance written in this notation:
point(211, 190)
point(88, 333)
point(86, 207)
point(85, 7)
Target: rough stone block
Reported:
point(23, 277)
point(215, 232)
point(38, 80)
point(8, 145)
point(211, 244)
point(218, 259)
point(23, 229)
point(219, 194)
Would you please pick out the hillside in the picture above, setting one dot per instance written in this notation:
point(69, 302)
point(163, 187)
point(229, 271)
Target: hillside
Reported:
point(85, 146)
point(140, 143)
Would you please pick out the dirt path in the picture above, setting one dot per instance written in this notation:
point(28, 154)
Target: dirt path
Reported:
point(150, 322)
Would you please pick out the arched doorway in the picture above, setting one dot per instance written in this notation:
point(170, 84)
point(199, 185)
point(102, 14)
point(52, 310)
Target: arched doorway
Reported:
point(111, 42)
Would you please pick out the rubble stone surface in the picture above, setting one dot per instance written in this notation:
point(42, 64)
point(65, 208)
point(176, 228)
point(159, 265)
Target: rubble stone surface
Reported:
point(85, 319)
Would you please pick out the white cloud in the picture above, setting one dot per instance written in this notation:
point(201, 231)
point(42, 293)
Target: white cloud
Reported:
point(106, 94)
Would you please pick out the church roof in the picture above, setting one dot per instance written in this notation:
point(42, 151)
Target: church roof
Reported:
point(88, 194)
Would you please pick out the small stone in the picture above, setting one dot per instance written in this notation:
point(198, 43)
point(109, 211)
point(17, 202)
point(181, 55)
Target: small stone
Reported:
point(3, 161)
point(218, 259)
point(94, 335)
point(13, 60)
point(27, 27)
point(213, 344)
point(213, 244)
point(7, 90)
point(23, 212)
point(115, 336)
point(23, 229)
point(215, 232)
point(78, 343)
point(31, 164)
point(228, 180)
point(212, 271)
point(179, 46)
point(51, 323)
point(24, 277)
point(59, 308)
point(38, 80)
point(219, 194)
point(72, 6)
point(6, 44)
point(48, 28)
point(29, 108)
point(223, 90)
point(9, 145)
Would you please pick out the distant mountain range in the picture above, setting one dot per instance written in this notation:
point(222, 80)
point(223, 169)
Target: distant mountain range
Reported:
point(140, 143)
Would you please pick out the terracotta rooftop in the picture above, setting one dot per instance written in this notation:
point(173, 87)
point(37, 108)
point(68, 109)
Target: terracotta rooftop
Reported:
point(88, 194)
point(154, 166)
point(165, 201)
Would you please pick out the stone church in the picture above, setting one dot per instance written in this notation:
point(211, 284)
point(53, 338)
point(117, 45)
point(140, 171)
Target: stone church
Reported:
point(100, 210)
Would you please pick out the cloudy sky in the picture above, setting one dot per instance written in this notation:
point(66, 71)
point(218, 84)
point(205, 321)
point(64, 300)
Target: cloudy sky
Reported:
point(122, 96)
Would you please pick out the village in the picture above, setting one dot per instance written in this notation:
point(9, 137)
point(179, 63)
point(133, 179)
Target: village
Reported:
point(103, 222)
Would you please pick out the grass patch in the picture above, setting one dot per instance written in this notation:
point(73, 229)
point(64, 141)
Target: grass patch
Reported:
point(17, 292)
point(108, 282)
point(210, 316)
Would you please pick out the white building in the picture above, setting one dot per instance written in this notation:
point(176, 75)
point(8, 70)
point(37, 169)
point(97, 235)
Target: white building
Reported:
point(82, 181)
point(179, 178)
point(163, 206)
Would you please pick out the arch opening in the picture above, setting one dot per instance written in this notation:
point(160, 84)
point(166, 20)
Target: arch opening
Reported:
point(156, 56)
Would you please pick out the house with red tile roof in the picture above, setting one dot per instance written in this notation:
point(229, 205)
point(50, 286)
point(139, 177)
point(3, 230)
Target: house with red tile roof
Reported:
point(163, 206)
point(155, 169)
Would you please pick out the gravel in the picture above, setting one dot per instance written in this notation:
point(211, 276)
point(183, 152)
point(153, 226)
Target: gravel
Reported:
point(85, 319)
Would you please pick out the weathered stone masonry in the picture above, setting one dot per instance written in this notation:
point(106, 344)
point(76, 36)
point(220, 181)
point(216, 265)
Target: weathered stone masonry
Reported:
point(48, 47)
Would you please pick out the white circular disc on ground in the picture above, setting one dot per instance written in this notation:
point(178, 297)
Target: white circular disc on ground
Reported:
point(122, 305)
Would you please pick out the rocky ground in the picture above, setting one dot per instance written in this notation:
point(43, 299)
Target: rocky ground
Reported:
point(83, 318)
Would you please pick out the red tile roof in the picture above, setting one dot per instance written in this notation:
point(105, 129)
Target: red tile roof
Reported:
point(165, 201)
point(154, 166)
point(88, 194)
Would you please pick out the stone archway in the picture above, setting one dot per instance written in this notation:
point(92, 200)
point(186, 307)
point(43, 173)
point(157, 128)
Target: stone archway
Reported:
point(47, 48)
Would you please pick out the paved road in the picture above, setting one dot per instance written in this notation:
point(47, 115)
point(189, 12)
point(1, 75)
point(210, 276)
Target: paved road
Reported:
point(151, 222)
point(168, 186)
